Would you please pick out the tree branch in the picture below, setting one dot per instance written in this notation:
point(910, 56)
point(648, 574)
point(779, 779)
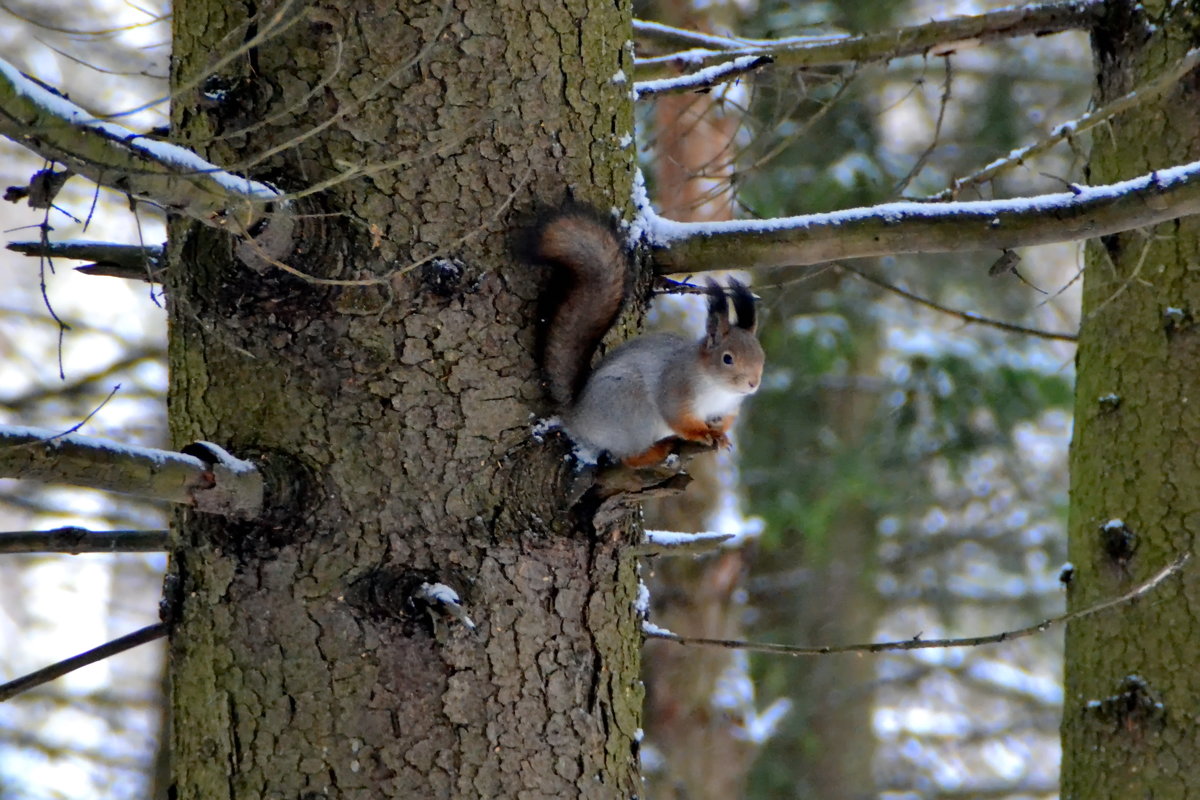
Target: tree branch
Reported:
point(132, 261)
point(651, 31)
point(914, 227)
point(202, 475)
point(47, 674)
point(671, 543)
point(81, 540)
point(110, 155)
point(652, 631)
point(933, 38)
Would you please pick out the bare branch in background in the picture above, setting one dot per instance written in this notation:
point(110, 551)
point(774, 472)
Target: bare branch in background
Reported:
point(934, 38)
point(917, 643)
point(47, 674)
point(935, 140)
point(81, 540)
point(114, 260)
point(966, 316)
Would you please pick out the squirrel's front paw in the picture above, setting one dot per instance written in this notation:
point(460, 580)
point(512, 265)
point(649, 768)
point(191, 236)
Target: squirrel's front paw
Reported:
point(719, 440)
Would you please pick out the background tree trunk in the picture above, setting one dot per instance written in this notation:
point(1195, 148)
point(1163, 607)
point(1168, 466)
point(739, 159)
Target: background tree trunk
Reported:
point(1129, 721)
point(689, 716)
point(395, 417)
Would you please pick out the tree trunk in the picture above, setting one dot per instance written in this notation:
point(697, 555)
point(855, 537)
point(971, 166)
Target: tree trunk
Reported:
point(1132, 690)
point(394, 418)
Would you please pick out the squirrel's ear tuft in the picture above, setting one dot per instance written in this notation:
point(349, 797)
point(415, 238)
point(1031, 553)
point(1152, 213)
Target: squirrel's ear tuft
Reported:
point(718, 303)
point(743, 305)
point(717, 324)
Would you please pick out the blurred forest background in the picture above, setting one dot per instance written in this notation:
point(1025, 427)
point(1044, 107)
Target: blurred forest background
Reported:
point(902, 472)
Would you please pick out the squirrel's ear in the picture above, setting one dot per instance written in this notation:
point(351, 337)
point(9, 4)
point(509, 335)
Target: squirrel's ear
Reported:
point(717, 326)
point(744, 306)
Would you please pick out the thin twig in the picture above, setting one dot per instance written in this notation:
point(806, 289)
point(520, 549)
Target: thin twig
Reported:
point(47, 674)
point(917, 643)
point(672, 543)
point(90, 414)
point(352, 109)
point(923, 159)
point(82, 384)
point(965, 316)
point(1068, 130)
point(810, 121)
point(263, 27)
point(267, 258)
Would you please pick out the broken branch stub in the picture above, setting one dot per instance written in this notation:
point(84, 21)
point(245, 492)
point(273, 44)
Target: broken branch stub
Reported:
point(204, 475)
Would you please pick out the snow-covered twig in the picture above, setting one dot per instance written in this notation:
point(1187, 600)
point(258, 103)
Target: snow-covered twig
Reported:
point(658, 32)
point(933, 38)
point(156, 172)
point(203, 475)
point(705, 78)
point(1067, 130)
point(671, 543)
point(917, 643)
point(1086, 212)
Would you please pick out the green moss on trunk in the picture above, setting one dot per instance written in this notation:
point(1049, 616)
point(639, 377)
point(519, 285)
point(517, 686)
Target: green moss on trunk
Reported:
point(1129, 722)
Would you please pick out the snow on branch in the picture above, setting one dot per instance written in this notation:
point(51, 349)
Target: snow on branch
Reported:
point(648, 30)
point(940, 37)
point(156, 172)
point(1142, 94)
point(914, 227)
point(672, 543)
point(705, 78)
point(202, 475)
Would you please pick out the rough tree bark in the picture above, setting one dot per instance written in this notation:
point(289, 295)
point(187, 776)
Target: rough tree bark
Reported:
point(395, 417)
point(1129, 718)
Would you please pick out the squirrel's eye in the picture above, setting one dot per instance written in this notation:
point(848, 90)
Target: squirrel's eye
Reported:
point(727, 358)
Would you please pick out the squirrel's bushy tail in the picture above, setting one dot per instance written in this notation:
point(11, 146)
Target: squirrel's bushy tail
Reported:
point(594, 271)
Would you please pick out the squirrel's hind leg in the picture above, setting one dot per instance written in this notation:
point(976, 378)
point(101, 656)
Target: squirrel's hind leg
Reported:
point(656, 454)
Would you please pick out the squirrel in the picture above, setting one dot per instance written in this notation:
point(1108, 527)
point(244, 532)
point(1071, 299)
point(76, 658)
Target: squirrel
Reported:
point(655, 389)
